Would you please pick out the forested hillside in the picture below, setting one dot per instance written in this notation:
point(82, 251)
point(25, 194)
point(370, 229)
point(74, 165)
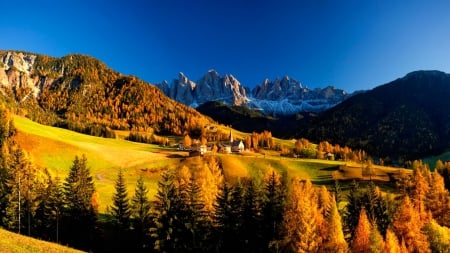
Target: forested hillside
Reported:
point(81, 93)
point(406, 119)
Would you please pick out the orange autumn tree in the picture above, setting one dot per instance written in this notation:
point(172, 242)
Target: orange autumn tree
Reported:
point(334, 240)
point(391, 244)
point(407, 225)
point(301, 218)
point(361, 240)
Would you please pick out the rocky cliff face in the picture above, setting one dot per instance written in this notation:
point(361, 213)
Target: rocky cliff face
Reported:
point(211, 87)
point(15, 72)
point(280, 97)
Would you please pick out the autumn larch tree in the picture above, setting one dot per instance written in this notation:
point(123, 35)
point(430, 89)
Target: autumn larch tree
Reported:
point(361, 239)
point(408, 226)
point(301, 219)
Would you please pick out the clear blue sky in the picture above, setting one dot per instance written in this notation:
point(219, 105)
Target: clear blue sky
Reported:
point(349, 44)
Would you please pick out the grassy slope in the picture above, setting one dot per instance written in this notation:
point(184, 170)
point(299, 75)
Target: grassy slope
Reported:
point(15, 243)
point(55, 149)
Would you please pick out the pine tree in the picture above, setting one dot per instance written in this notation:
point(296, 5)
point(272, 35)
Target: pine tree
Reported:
point(272, 209)
point(361, 239)
point(164, 215)
point(48, 213)
point(140, 213)
point(22, 198)
point(79, 217)
point(251, 217)
point(120, 209)
point(223, 219)
point(353, 210)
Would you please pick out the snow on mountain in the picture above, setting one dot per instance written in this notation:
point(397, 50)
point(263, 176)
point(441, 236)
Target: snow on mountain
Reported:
point(279, 97)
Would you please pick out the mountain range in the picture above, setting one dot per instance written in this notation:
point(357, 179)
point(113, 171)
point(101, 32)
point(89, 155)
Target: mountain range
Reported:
point(284, 96)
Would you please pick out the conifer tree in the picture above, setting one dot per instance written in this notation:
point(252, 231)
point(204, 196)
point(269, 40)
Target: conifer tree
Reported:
point(361, 239)
point(438, 236)
point(334, 240)
point(353, 210)
point(272, 209)
point(407, 225)
point(251, 217)
point(223, 219)
point(22, 198)
point(140, 213)
point(79, 216)
point(301, 219)
point(437, 200)
point(421, 187)
point(164, 215)
point(391, 244)
point(48, 213)
point(376, 240)
point(120, 209)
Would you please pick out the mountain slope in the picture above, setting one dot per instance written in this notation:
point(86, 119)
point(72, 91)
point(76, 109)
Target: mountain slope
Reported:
point(407, 118)
point(81, 93)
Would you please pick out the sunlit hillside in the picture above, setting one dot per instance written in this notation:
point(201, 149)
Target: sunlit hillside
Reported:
point(15, 243)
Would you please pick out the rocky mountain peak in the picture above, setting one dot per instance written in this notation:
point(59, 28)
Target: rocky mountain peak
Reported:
point(23, 62)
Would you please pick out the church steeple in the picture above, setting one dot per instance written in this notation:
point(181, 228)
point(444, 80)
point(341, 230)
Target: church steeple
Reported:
point(231, 137)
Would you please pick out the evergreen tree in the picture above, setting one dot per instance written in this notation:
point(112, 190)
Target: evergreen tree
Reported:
point(79, 216)
point(251, 217)
point(353, 210)
point(48, 213)
point(361, 240)
point(272, 210)
point(223, 220)
point(140, 213)
point(164, 215)
point(120, 210)
point(22, 199)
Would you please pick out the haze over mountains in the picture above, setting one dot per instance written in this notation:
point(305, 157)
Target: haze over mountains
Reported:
point(284, 96)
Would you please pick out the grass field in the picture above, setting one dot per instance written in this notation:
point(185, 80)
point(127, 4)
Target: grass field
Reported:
point(15, 243)
point(55, 149)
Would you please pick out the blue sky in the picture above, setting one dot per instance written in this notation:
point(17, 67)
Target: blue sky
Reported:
point(352, 45)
